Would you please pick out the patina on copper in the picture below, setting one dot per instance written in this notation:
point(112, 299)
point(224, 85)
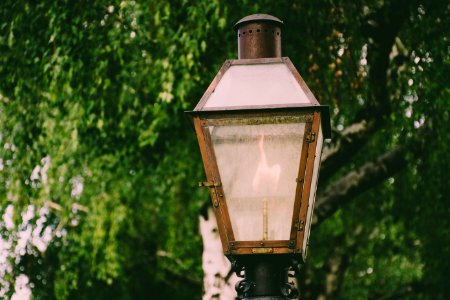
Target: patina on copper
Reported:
point(259, 36)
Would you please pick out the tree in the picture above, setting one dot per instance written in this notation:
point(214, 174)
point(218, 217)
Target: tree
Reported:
point(98, 165)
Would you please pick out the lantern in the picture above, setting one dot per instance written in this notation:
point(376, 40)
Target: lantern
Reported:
point(261, 132)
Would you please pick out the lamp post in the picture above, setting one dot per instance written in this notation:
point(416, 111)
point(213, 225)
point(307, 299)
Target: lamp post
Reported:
point(260, 132)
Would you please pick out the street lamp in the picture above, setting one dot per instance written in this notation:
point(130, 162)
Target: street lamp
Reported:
point(260, 132)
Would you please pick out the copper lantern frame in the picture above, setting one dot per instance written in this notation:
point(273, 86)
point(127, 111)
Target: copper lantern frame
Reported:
point(314, 115)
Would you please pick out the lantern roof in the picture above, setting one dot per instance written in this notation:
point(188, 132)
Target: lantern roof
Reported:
point(260, 84)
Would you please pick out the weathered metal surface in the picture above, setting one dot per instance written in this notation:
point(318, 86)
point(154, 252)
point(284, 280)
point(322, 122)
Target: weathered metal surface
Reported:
point(259, 36)
point(301, 234)
point(265, 277)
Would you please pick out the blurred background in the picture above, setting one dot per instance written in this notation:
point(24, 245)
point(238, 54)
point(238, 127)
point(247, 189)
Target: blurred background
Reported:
point(99, 165)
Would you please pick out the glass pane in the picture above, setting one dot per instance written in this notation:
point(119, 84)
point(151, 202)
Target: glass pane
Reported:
point(259, 84)
point(312, 194)
point(258, 165)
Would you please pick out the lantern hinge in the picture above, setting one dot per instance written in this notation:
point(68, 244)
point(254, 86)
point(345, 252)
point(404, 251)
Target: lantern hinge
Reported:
point(231, 246)
point(291, 244)
point(300, 225)
point(209, 183)
point(310, 137)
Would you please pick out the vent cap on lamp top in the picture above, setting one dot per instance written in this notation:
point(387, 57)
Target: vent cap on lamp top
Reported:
point(259, 36)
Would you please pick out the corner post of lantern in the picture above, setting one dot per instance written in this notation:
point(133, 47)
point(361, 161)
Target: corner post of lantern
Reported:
point(260, 131)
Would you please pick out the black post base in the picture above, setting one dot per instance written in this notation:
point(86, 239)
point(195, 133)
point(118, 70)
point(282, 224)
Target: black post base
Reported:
point(265, 278)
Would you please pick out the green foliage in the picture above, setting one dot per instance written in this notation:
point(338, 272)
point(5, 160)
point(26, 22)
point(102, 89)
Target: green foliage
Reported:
point(94, 143)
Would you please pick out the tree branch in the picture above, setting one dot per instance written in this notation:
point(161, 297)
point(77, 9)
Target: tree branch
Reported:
point(337, 264)
point(351, 140)
point(381, 28)
point(358, 181)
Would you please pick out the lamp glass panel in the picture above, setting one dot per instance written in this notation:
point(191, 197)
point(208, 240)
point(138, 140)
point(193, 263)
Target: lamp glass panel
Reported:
point(257, 84)
point(258, 164)
point(312, 193)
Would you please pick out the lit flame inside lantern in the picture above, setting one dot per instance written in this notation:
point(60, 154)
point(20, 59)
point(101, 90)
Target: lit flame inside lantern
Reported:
point(265, 182)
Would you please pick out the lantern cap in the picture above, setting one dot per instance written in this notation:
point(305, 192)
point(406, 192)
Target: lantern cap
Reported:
point(259, 36)
point(257, 18)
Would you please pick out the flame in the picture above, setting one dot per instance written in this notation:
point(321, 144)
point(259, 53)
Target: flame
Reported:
point(266, 177)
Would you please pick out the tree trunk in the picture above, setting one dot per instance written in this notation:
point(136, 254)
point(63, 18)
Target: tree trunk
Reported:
point(218, 280)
